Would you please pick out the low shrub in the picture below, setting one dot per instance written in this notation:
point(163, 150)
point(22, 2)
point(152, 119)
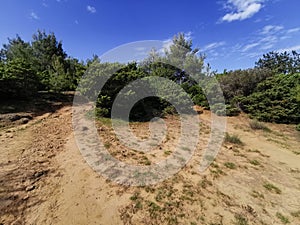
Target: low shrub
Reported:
point(256, 125)
point(234, 139)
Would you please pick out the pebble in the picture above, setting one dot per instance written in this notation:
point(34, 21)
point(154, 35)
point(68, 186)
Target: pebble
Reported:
point(30, 188)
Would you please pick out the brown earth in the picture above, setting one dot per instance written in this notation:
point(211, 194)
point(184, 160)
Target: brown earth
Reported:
point(45, 180)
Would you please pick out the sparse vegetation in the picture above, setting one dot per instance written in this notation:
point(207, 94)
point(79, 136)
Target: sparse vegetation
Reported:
point(257, 194)
point(167, 153)
point(296, 214)
point(256, 125)
point(107, 145)
point(230, 165)
point(234, 139)
point(254, 162)
point(296, 153)
point(272, 187)
point(240, 220)
point(282, 218)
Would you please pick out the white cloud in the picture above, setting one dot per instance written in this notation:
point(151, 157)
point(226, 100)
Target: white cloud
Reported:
point(242, 9)
point(268, 37)
point(271, 29)
point(293, 30)
point(289, 49)
point(249, 46)
point(91, 9)
point(213, 45)
point(188, 35)
point(34, 16)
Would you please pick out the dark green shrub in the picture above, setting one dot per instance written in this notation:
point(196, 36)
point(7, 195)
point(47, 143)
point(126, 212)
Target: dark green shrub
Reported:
point(232, 110)
point(275, 100)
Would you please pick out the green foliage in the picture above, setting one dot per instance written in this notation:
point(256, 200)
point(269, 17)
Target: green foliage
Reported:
point(298, 127)
point(270, 92)
point(241, 82)
point(272, 187)
point(40, 65)
point(240, 220)
point(17, 79)
point(274, 100)
point(169, 110)
point(111, 78)
point(219, 109)
point(283, 219)
point(254, 162)
point(196, 93)
point(232, 110)
point(230, 165)
point(285, 63)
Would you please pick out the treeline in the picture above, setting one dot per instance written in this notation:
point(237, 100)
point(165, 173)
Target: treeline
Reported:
point(270, 91)
point(39, 65)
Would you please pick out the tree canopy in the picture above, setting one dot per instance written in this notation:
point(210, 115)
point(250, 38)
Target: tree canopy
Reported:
point(270, 91)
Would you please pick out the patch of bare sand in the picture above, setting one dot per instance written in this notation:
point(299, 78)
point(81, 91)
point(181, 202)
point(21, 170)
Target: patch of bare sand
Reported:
point(82, 196)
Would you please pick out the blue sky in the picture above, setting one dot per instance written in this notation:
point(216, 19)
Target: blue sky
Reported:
point(232, 33)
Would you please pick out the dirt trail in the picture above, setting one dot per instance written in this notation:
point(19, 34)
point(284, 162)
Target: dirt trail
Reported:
point(45, 180)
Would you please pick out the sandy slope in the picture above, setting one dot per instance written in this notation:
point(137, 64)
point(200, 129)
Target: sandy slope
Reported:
point(45, 180)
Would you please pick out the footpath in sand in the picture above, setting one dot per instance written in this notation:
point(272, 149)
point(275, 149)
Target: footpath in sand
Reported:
point(45, 180)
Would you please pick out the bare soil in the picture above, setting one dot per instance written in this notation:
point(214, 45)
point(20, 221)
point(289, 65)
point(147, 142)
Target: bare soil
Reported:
point(45, 180)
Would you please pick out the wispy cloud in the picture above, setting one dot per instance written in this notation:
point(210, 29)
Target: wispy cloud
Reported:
point(213, 45)
point(289, 49)
point(249, 46)
point(241, 9)
point(271, 29)
point(34, 16)
point(267, 38)
point(91, 9)
point(293, 30)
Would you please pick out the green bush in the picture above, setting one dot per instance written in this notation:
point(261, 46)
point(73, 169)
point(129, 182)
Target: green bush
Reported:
point(275, 100)
point(169, 110)
point(232, 110)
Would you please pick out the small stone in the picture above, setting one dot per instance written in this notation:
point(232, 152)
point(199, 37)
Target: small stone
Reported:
point(25, 198)
point(84, 128)
point(39, 173)
point(30, 188)
point(24, 120)
point(100, 129)
point(14, 118)
point(10, 135)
